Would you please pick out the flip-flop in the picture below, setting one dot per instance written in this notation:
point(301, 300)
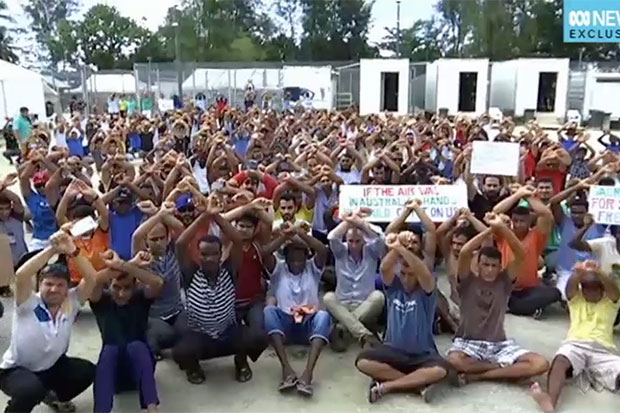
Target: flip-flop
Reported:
point(289, 383)
point(375, 391)
point(305, 389)
point(243, 374)
point(195, 376)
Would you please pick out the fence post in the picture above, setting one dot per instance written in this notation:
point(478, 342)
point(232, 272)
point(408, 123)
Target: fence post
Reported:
point(229, 94)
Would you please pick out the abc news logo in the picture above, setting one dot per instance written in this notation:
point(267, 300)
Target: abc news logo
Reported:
point(607, 18)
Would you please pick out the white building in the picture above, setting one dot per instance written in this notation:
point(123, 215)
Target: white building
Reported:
point(539, 84)
point(457, 85)
point(384, 86)
point(21, 87)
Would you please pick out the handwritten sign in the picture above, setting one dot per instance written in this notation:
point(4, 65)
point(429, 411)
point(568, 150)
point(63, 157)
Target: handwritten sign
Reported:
point(440, 202)
point(604, 204)
point(165, 105)
point(495, 158)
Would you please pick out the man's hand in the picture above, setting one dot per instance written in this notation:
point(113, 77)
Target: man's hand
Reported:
point(526, 191)
point(167, 208)
point(288, 229)
point(391, 241)
point(302, 227)
point(8, 180)
point(111, 260)
point(142, 259)
point(214, 206)
point(62, 243)
point(261, 203)
point(147, 207)
point(406, 239)
point(413, 204)
point(588, 220)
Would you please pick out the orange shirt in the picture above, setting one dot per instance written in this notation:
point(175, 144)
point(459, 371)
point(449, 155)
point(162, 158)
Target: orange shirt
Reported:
point(534, 244)
point(91, 249)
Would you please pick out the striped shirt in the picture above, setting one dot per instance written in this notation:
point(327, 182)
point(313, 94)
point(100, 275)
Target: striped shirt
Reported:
point(169, 302)
point(211, 306)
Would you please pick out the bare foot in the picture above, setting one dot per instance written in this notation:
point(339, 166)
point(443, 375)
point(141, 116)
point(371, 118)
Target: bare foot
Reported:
point(542, 398)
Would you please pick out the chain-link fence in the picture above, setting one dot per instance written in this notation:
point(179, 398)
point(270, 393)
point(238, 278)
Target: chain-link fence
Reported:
point(276, 85)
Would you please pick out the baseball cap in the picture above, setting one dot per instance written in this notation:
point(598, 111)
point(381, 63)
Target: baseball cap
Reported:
point(183, 201)
point(41, 177)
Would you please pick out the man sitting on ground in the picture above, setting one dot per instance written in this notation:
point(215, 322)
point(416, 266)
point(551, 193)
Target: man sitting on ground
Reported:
point(589, 353)
point(36, 361)
point(408, 361)
point(355, 304)
point(480, 350)
point(296, 318)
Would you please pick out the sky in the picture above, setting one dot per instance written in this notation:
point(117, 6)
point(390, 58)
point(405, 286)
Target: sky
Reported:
point(151, 13)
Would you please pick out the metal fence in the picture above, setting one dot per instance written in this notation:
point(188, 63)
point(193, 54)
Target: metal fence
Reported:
point(229, 79)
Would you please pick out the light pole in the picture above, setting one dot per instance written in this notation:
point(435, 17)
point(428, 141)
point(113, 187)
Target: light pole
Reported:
point(177, 55)
point(398, 28)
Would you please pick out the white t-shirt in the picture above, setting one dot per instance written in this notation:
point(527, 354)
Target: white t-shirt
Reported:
point(606, 253)
point(37, 342)
point(296, 290)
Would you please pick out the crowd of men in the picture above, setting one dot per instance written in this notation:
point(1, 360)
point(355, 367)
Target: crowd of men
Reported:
point(217, 232)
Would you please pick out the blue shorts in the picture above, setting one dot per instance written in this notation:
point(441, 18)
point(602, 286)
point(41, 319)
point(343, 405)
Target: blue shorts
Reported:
point(316, 325)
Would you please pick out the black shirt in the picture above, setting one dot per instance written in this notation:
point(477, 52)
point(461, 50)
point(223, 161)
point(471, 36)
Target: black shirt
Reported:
point(120, 325)
point(480, 205)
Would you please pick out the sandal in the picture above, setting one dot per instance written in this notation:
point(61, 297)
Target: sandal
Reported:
point(195, 376)
point(375, 391)
point(243, 373)
point(62, 407)
point(305, 389)
point(289, 383)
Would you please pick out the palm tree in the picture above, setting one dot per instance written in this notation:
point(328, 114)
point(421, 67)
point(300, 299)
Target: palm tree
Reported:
point(6, 48)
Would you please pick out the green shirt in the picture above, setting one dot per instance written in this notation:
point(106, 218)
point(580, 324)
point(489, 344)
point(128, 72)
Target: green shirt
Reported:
point(22, 127)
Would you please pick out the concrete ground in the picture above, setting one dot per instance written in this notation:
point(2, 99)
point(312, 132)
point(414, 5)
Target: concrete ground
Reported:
point(339, 387)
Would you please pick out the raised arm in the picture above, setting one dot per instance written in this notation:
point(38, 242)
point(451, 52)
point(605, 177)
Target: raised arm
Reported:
point(396, 225)
point(467, 253)
point(320, 250)
point(388, 263)
point(578, 243)
point(544, 221)
point(499, 227)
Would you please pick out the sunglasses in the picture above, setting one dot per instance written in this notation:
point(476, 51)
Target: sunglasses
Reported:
point(186, 208)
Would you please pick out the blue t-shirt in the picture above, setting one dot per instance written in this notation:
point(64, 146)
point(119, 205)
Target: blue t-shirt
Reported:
point(568, 257)
point(135, 141)
point(569, 144)
point(43, 217)
point(242, 142)
point(122, 228)
point(410, 319)
point(75, 147)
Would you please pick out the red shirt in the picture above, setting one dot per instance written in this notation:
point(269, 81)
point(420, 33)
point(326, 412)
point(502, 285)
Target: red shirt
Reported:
point(557, 176)
point(250, 282)
point(268, 182)
point(529, 165)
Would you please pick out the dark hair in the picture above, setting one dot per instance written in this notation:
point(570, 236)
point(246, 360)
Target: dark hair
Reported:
point(607, 181)
point(249, 217)
point(467, 232)
point(499, 178)
point(613, 229)
point(288, 196)
point(490, 252)
point(82, 211)
point(23, 109)
point(55, 270)
point(520, 210)
point(211, 239)
point(544, 180)
point(295, 245)
point(579, 202)
point(4, 200)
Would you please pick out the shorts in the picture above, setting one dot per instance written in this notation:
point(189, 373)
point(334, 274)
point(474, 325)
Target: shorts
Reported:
point(402, 361)
point(504, 353)
point(317, 325)
point(593, 365)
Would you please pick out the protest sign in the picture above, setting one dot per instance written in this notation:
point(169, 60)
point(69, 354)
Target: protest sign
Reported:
point(604, 204)
point(165, 105)
point(495, 158)
point(440, 202)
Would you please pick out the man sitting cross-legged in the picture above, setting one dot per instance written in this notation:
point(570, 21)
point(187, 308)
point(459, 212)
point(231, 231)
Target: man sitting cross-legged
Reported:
point(480, 350)
point(296, 318)
point(355, 303)
point(408, 361)
point(589, 353)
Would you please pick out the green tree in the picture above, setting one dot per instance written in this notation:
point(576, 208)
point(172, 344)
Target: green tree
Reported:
point(7, 50)
point(47, 17)
point(420, 42)
point(336, 30)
